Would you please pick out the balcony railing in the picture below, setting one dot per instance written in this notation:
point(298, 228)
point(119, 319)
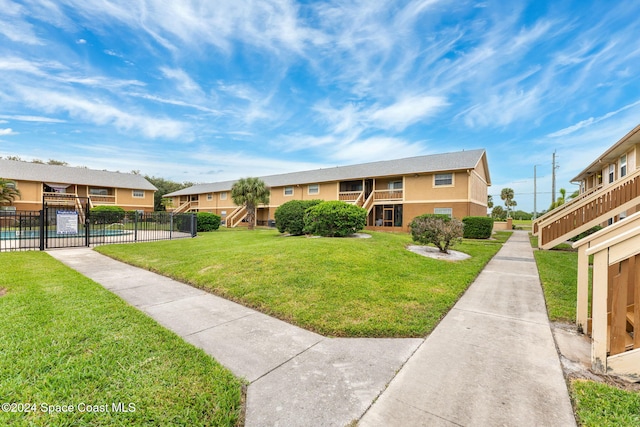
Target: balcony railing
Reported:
point(349, 196)
point(391, 194)
point(102, 200)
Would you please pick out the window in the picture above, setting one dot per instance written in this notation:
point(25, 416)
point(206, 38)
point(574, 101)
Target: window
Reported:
point(223, 195)
point(442, 179)
point(443, 211)
point(612, 173)
point(395, 185)
point(139, 194)
point(99, 192)
point(288, 191)
point(623, 166)
point(314, 189)
point(209, 196)
point(223, 213)
point(10, 184)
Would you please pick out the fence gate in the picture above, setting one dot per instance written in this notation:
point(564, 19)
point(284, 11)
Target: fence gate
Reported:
point(66, 222)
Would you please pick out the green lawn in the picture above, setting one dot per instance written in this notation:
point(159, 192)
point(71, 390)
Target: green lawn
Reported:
point(335, 286)
point(64, 340)
point(595, 404)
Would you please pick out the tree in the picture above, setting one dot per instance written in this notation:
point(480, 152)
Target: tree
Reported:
point(249, 192)
point(507, 194)
point(164, 186)
point(490, 201)
point(8, 191)
point(440, 230)
point(498, 213)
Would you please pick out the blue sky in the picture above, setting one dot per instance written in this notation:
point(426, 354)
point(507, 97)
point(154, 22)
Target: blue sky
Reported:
point(217, 90)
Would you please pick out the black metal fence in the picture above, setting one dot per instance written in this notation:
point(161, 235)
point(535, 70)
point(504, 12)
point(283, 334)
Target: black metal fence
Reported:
point(61, 228)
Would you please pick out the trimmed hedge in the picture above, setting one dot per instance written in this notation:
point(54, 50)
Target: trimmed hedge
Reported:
point(207, 221)
point(290, 216)
point(107, 214)
point(334, 219)
point(477, 227)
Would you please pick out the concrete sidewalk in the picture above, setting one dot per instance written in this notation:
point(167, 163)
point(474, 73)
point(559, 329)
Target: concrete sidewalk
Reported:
point(491, 361)
point(297, 377)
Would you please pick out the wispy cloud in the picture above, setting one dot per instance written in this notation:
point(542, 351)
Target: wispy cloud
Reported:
point(101, 113)
point(7, 131)
point(590, 121)
point(33, 119)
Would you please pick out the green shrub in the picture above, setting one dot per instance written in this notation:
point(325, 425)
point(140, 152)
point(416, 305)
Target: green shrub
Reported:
point(106, 214)
point(439, 230)
point(477, 227)
point(334, 219)
point(208, 221)
point(290, 216)
point(586, 233)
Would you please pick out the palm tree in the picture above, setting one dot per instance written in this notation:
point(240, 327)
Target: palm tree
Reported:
point(250, 192)
point(507, 195)
point(8, 191)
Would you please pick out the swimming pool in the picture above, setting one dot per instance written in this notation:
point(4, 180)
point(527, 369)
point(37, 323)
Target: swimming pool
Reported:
point(35, 234)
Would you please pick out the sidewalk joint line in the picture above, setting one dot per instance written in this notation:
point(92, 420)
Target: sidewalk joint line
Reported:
point(220, 324)
point(288, 360)
point(502, 316)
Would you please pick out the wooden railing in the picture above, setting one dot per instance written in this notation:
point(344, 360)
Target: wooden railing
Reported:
point(183, 207)
point(235, 217)
point(587, 211)
point(61, 199)
point(614, 325)
point(102, 200)
point(388, 194)
point(349, 196)
point(368, 204)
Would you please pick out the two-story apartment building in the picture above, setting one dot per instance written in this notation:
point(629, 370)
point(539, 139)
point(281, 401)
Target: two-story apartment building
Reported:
point(63, 185)
point(392, 191)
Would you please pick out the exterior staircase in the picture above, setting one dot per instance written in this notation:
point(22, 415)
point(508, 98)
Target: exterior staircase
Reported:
point(586, 211)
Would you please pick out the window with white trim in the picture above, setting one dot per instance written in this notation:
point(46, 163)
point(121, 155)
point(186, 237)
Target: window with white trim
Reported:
point(288, 191)
point(623, 165)
point(314, 189)
point(138, 194)
point(209, 196)
point(223, 195)
point(612, 173)
point(442, 179)
point(444, 211)
point(395, 185)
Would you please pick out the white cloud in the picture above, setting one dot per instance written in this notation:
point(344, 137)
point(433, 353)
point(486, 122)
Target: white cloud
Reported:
point(185, 83)
point(590, 121)
point(7, 131)
point(102, 113)
point(81, 41)
point(407, 111)
point(23, 118)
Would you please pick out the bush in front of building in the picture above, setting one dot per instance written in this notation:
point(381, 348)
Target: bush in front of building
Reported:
point(107, 214)
point(334, 219)
point(477, 227)
point(290, 216)
point(208, 221)
point(439, 230)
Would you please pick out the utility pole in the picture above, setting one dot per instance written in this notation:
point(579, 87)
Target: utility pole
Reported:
point(535, 193)
point(553, 179)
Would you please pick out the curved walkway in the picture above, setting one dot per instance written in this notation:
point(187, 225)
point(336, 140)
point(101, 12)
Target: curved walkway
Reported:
point(491, 361)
